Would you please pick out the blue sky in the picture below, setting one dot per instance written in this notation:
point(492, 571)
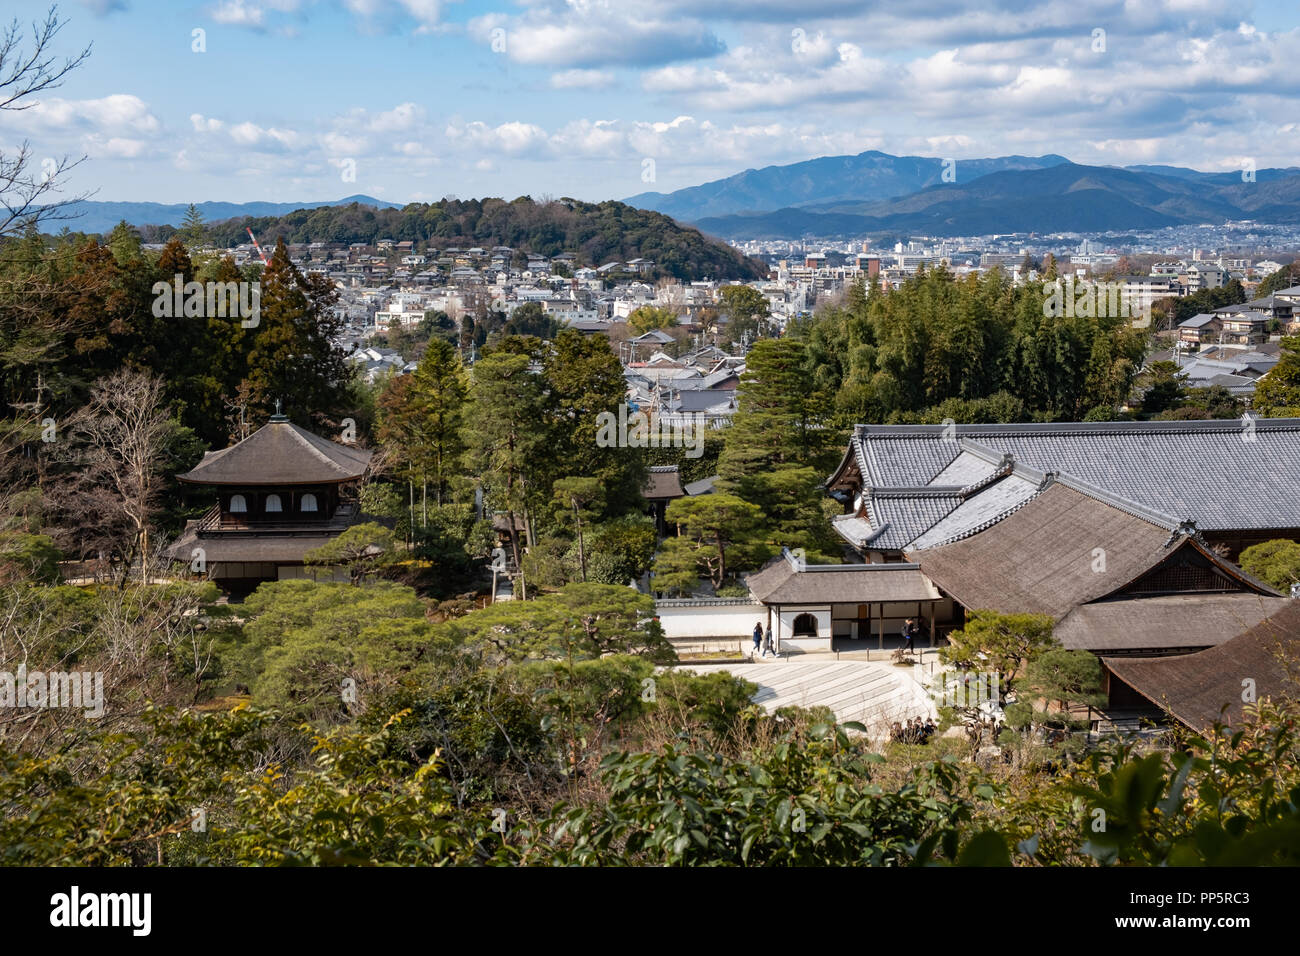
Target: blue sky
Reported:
point(601, 99)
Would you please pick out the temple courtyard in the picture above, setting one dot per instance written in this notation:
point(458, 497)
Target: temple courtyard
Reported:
point(873, 693)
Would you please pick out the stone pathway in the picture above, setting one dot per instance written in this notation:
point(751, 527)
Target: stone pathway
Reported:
point(873, 693)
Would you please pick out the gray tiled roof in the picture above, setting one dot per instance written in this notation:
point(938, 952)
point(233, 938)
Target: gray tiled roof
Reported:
point(856, 531)
point(901, 517)
point(978, 511)
point(702, 487)
point(966, 469)
point(1234, 383)
point(901, 463)
point(702, 399)
point(1206, 471)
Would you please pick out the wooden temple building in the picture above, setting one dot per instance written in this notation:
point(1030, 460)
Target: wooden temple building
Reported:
point(281, 492)
point(1123, 533)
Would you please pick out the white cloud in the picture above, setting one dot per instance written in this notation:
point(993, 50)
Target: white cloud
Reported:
point(593, 35)
point(204, 124)
point(393, 14)
point(115, 147)
point(267, 138)
point(513, 138)
point(113, 113)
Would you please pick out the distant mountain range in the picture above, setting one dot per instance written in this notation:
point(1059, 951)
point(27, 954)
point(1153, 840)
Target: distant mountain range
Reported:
point(869, 175)
point(874, 193)
point(95, 217)
point(1064, 198)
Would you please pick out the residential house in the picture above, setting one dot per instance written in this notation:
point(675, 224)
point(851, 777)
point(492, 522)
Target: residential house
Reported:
point(1203, 327)
point(1246, 328)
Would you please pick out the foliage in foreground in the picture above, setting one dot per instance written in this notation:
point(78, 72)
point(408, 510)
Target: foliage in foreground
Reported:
point(814, 796)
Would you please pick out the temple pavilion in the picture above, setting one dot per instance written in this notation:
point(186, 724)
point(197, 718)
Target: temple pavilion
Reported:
point(280, 493)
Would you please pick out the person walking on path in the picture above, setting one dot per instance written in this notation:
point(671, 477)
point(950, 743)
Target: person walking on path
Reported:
point(758, 636)
point(909, 632)
point(768, 646)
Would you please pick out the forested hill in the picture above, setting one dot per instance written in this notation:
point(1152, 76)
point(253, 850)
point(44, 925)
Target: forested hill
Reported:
point(596, 233)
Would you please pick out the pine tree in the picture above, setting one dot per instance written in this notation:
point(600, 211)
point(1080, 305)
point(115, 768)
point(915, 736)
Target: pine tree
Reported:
point(778, 411)
point(720, 535)
point(124, 240)
point(775, 452)
point(1278, 392)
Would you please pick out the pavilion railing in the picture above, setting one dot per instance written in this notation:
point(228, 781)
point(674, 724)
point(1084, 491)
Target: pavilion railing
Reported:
point(214, 521)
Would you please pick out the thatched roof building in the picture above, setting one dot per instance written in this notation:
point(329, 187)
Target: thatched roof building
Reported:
point(1071, 545)
point(1215, 684)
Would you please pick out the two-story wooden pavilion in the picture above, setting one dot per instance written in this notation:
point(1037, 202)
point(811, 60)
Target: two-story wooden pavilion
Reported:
point(281, 492)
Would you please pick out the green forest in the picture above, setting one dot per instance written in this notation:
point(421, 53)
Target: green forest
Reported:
point(596, 233)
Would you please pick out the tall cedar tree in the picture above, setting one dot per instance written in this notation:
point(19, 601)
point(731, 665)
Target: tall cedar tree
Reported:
point(192, 228)
point(37, 323)
point(585, 378)
point(421, 417)
point(116, 281)
point(184, 350)
point(226, 350)
point(507, 437)
point(294, 357)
